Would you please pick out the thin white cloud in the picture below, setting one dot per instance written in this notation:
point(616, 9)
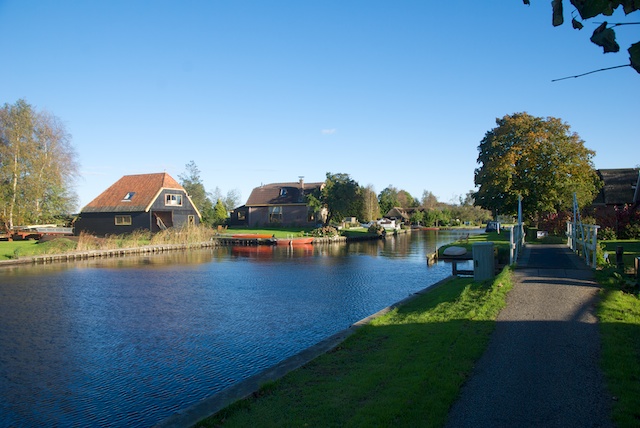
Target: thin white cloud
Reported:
point(329, 131)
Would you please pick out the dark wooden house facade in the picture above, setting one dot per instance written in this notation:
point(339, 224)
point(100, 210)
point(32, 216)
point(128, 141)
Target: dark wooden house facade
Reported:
point(620, 193)
point(279, 204)
point(138, 202)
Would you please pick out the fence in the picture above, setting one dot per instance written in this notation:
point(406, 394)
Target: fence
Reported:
point(516, 242)
point(583, 239)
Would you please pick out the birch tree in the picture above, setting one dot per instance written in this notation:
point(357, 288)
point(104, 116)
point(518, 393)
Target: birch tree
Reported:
point(370, 206)
point(37, 166)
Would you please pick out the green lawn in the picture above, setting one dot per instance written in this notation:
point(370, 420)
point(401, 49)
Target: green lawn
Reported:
point(403, 369)
point(9, 249)
point(631, 251)
point(277, 232)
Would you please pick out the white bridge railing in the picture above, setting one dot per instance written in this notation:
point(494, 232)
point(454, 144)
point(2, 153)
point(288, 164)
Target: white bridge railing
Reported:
point(516, 242)
point(583, 239)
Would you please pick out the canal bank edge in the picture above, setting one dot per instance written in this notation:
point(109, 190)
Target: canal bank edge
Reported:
point(193, 414)
point(156, 249)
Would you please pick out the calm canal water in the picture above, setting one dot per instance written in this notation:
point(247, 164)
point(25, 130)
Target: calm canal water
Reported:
point(128, 342)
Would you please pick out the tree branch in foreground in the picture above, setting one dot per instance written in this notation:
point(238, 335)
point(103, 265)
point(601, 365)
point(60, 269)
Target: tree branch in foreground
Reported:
point(591, 72)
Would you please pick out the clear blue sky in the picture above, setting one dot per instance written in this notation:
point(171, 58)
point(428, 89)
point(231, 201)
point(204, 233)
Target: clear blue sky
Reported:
point(255, 92)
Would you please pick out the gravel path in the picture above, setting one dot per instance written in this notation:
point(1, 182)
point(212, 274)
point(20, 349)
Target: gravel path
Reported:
point(541, 368)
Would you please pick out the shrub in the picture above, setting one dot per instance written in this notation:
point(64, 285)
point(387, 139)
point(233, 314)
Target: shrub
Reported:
point(376, 229)
point(325, 231)
point(607, 234)
point(631, 231)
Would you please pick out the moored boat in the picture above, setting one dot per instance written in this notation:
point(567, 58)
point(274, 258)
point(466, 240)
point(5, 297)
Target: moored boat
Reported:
point(295, 241)
point(252, 236)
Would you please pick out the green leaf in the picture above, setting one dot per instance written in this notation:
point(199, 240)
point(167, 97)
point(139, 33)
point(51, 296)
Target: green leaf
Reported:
point(634, 56)
point(558, 18)
point(629, 5)
point(606, 38)
point(576, 24)
point(590, 8)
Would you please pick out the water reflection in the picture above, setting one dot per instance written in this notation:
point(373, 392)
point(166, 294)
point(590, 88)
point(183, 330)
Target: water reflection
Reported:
point(129, 341)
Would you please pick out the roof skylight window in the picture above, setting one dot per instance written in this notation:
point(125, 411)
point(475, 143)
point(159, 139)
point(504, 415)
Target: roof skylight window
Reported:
point(128, 196)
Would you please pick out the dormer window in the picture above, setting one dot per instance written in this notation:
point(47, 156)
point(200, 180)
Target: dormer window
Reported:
point(128, 196)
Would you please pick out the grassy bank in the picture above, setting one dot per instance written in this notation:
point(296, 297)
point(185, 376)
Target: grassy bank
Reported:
point(294, 232)
point(16, 249)
point(403, 369)
point(187, 235)
point(619, 321)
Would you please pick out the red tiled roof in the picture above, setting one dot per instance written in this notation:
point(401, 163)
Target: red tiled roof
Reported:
point(143, 187)
point(271, 194)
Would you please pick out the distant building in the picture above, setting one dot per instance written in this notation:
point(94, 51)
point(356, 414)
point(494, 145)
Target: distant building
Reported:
point(138, 202)
point(279, 204)
point(621, 188)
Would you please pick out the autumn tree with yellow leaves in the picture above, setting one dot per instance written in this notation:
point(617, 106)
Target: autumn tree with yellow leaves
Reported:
point(537, 158)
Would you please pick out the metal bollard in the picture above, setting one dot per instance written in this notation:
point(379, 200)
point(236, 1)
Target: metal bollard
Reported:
point(619, 252)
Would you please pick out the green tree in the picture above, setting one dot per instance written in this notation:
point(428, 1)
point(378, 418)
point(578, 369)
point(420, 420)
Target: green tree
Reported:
point(538, 159)
point(604, 35)
point(37, 166)
point(192, 183)
point(219, 213)
point(341, 196)
point(388, 199)
point(417, 217)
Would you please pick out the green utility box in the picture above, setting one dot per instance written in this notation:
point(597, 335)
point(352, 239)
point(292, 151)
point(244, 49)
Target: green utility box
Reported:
point(483, 261)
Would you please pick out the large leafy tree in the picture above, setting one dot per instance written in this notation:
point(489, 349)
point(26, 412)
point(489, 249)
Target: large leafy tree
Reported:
point(37, 166)
point(391, 197)
point(537, 158)
point(341, 196)
point(388, 198)
point(604, 35)
point(192, 183)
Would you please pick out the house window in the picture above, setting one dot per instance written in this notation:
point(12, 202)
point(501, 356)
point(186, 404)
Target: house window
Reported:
point(242, 216)
point(283, 191)
point(123, 220)
point(128, 196)
point(191, 220)
point(275, 214)
point(311, 216)
point(173, 199)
